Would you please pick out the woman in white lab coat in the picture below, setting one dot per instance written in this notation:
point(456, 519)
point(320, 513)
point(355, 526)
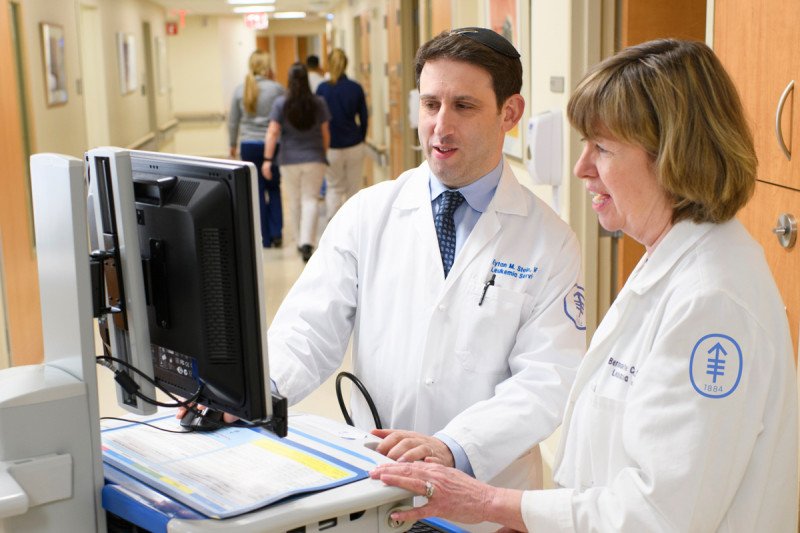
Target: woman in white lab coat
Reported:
point(683, 415)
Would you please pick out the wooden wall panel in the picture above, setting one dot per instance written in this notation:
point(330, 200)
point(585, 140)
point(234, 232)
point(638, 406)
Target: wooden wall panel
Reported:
point(760, 216)
point(645, 20)
point(285, 56)
point(19, 257)
point(441, 16)
point(302, 49)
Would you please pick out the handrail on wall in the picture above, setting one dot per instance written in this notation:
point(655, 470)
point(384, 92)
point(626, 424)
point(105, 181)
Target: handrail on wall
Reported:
point(378, 153)
point(5, 349)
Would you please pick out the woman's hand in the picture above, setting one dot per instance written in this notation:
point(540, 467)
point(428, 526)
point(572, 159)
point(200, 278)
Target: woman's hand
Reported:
point(452, 494)
point(266, 170)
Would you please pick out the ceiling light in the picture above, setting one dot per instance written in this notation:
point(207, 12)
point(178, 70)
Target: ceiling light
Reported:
point(254, 9)
point(290, 15)
point(251, 2)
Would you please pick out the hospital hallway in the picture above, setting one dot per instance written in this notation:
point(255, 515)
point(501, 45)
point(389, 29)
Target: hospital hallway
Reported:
point(161, 76)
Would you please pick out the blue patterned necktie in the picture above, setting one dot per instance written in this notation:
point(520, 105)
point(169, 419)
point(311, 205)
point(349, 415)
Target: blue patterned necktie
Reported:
point(446, 228)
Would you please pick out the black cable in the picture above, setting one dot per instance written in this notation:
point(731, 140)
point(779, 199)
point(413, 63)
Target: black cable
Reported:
point(131, 387)
point(364, 393)
point(188, 430)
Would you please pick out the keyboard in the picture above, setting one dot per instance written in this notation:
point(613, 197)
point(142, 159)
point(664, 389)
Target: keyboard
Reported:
point(421, 527)
point(435, 525)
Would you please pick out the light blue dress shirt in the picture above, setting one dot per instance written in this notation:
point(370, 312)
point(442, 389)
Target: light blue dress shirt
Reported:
point(477, 195)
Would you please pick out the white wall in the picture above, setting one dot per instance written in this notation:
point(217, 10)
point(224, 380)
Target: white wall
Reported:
point(60, 128)
point(236, 42)
point(208, 59)
point(195, 57)
point(548, 56)
point(297, 27)
point(128, 114)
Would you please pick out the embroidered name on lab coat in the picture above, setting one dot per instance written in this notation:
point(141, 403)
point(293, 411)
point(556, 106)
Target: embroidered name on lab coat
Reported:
point(715, 367)
point(622, 371)
point(507, 268)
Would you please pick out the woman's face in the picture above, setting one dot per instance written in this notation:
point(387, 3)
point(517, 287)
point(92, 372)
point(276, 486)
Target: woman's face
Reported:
point(621, 180)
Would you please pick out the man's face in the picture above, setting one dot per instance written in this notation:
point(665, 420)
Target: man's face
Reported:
point(460, 127)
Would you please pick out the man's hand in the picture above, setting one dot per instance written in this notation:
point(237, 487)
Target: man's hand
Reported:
point(409, 446)
point(227, 417)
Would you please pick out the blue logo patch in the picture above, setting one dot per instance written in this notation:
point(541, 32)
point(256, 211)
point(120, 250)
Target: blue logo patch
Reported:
point(575, 307)
point(715, 367)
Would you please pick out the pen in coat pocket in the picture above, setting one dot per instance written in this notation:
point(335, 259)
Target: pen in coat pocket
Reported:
point(489, 283)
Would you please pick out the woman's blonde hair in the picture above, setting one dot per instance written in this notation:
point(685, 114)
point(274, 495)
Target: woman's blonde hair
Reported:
point(337, 63)
point(257, 66)
point(675, 99)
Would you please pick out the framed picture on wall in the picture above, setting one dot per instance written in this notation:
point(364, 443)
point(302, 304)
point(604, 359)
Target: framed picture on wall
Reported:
point(55, 71)
point(126, 55)
point(504, 18)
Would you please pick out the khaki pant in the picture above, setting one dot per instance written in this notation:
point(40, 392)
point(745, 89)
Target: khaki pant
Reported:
point(300, 184)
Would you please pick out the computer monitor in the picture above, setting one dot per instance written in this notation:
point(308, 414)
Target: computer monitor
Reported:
point(188, 275)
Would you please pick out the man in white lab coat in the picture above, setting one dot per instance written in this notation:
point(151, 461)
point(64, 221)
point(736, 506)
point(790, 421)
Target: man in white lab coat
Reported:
point(469, 348)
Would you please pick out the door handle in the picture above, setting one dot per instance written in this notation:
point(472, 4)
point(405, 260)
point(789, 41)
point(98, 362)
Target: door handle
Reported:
point(786, 230)
point(779, 116)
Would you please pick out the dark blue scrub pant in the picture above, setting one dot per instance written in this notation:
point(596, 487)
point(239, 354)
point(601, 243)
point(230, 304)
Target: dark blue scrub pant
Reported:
point(271, 212)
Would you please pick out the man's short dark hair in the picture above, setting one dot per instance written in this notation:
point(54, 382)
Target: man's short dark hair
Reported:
point(456, 45)
point(312, 61)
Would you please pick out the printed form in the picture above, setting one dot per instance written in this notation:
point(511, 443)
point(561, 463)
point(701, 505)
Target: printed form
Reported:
point(222, 473)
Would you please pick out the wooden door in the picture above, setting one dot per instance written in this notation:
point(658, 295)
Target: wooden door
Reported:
point(402, 38)
point(759, 44)
point(441, 16)
point(20, 273)
point(262, 43)
point(645, 20)
point(285, 56)
point(302, 48)
point(363, 63)
point(760, 216)
point(364, 70)
point(397, 101)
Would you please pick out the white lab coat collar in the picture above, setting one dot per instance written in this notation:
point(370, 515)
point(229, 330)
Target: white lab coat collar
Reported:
point(506, 199)
point(680, 238)
point(415, 196)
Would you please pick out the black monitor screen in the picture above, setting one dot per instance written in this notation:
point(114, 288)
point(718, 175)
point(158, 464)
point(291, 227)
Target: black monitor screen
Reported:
point(197, 240)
